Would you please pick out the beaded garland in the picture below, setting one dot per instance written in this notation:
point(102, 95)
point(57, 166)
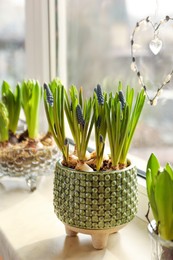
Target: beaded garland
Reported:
point(158, 45)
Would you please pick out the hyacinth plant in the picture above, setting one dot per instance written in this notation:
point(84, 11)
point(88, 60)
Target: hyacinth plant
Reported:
point(78, 113)
point(31, 93)
point(80, 117)
point(54, 106)
point(27, 96)
point(122, 115)
point(24, 150)
point(12, 101)
point(100, 125)
point(160, 193)
point(114, 115)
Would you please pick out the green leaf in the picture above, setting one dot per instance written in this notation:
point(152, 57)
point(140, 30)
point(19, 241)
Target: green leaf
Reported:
point(164, 202)
point(100, 128)
point(4, 122)
point(13, 104)
point(80, 133)
point(154, 165)
point(109, 129)
point(134, 117)
point(129, 96)
point(169, 169)
point(122, 122)
point(151, 193)
point(31, 97)
point(152, 171)
point(55, 115)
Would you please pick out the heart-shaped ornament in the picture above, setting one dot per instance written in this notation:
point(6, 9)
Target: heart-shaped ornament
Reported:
point(155, 46)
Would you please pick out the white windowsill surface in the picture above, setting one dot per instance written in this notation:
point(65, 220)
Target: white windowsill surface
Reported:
point(29, 223)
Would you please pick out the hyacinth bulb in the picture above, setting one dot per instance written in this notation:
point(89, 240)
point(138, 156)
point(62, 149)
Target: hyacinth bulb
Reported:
point(82, 166)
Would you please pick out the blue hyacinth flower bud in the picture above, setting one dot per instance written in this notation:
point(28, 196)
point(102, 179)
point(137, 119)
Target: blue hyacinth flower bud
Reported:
point(122, 99)
point(48, 95)
point(79, 115)
point(99, 95)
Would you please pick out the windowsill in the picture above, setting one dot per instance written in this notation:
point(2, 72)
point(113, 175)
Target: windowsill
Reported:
point(29, 222)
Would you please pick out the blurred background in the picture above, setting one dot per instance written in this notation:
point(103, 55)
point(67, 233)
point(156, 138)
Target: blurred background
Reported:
point(12, 40)
point(88, 42)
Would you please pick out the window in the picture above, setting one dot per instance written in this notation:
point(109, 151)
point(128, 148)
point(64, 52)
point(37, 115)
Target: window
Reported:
point(12, 38)
point(40, 40)
point(27, 42)
point(93, 42)
point(96, 40)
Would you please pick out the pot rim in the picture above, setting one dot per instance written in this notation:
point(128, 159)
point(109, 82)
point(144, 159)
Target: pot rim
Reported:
point(131, 166)
point(164, 242)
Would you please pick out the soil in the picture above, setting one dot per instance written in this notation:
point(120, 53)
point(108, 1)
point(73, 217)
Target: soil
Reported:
point(106, 166)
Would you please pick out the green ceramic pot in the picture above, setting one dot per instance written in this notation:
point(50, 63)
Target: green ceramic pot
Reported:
point(95, 200)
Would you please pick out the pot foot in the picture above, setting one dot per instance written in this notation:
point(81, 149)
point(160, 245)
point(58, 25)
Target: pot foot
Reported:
point(31, 181)
point(99, 241)
point(99, 236)
point(70, 232)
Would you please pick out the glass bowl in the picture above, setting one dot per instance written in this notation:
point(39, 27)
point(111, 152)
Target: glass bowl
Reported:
point(28, 162)
point(160, 249)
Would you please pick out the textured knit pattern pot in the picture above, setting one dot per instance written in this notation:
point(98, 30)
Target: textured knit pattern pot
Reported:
point(95, 200)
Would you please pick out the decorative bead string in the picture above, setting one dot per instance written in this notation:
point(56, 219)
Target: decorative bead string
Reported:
point(134, 67)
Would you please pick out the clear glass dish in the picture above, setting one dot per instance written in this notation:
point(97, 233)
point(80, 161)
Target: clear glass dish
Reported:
point(28, 163)
point(160, 249)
